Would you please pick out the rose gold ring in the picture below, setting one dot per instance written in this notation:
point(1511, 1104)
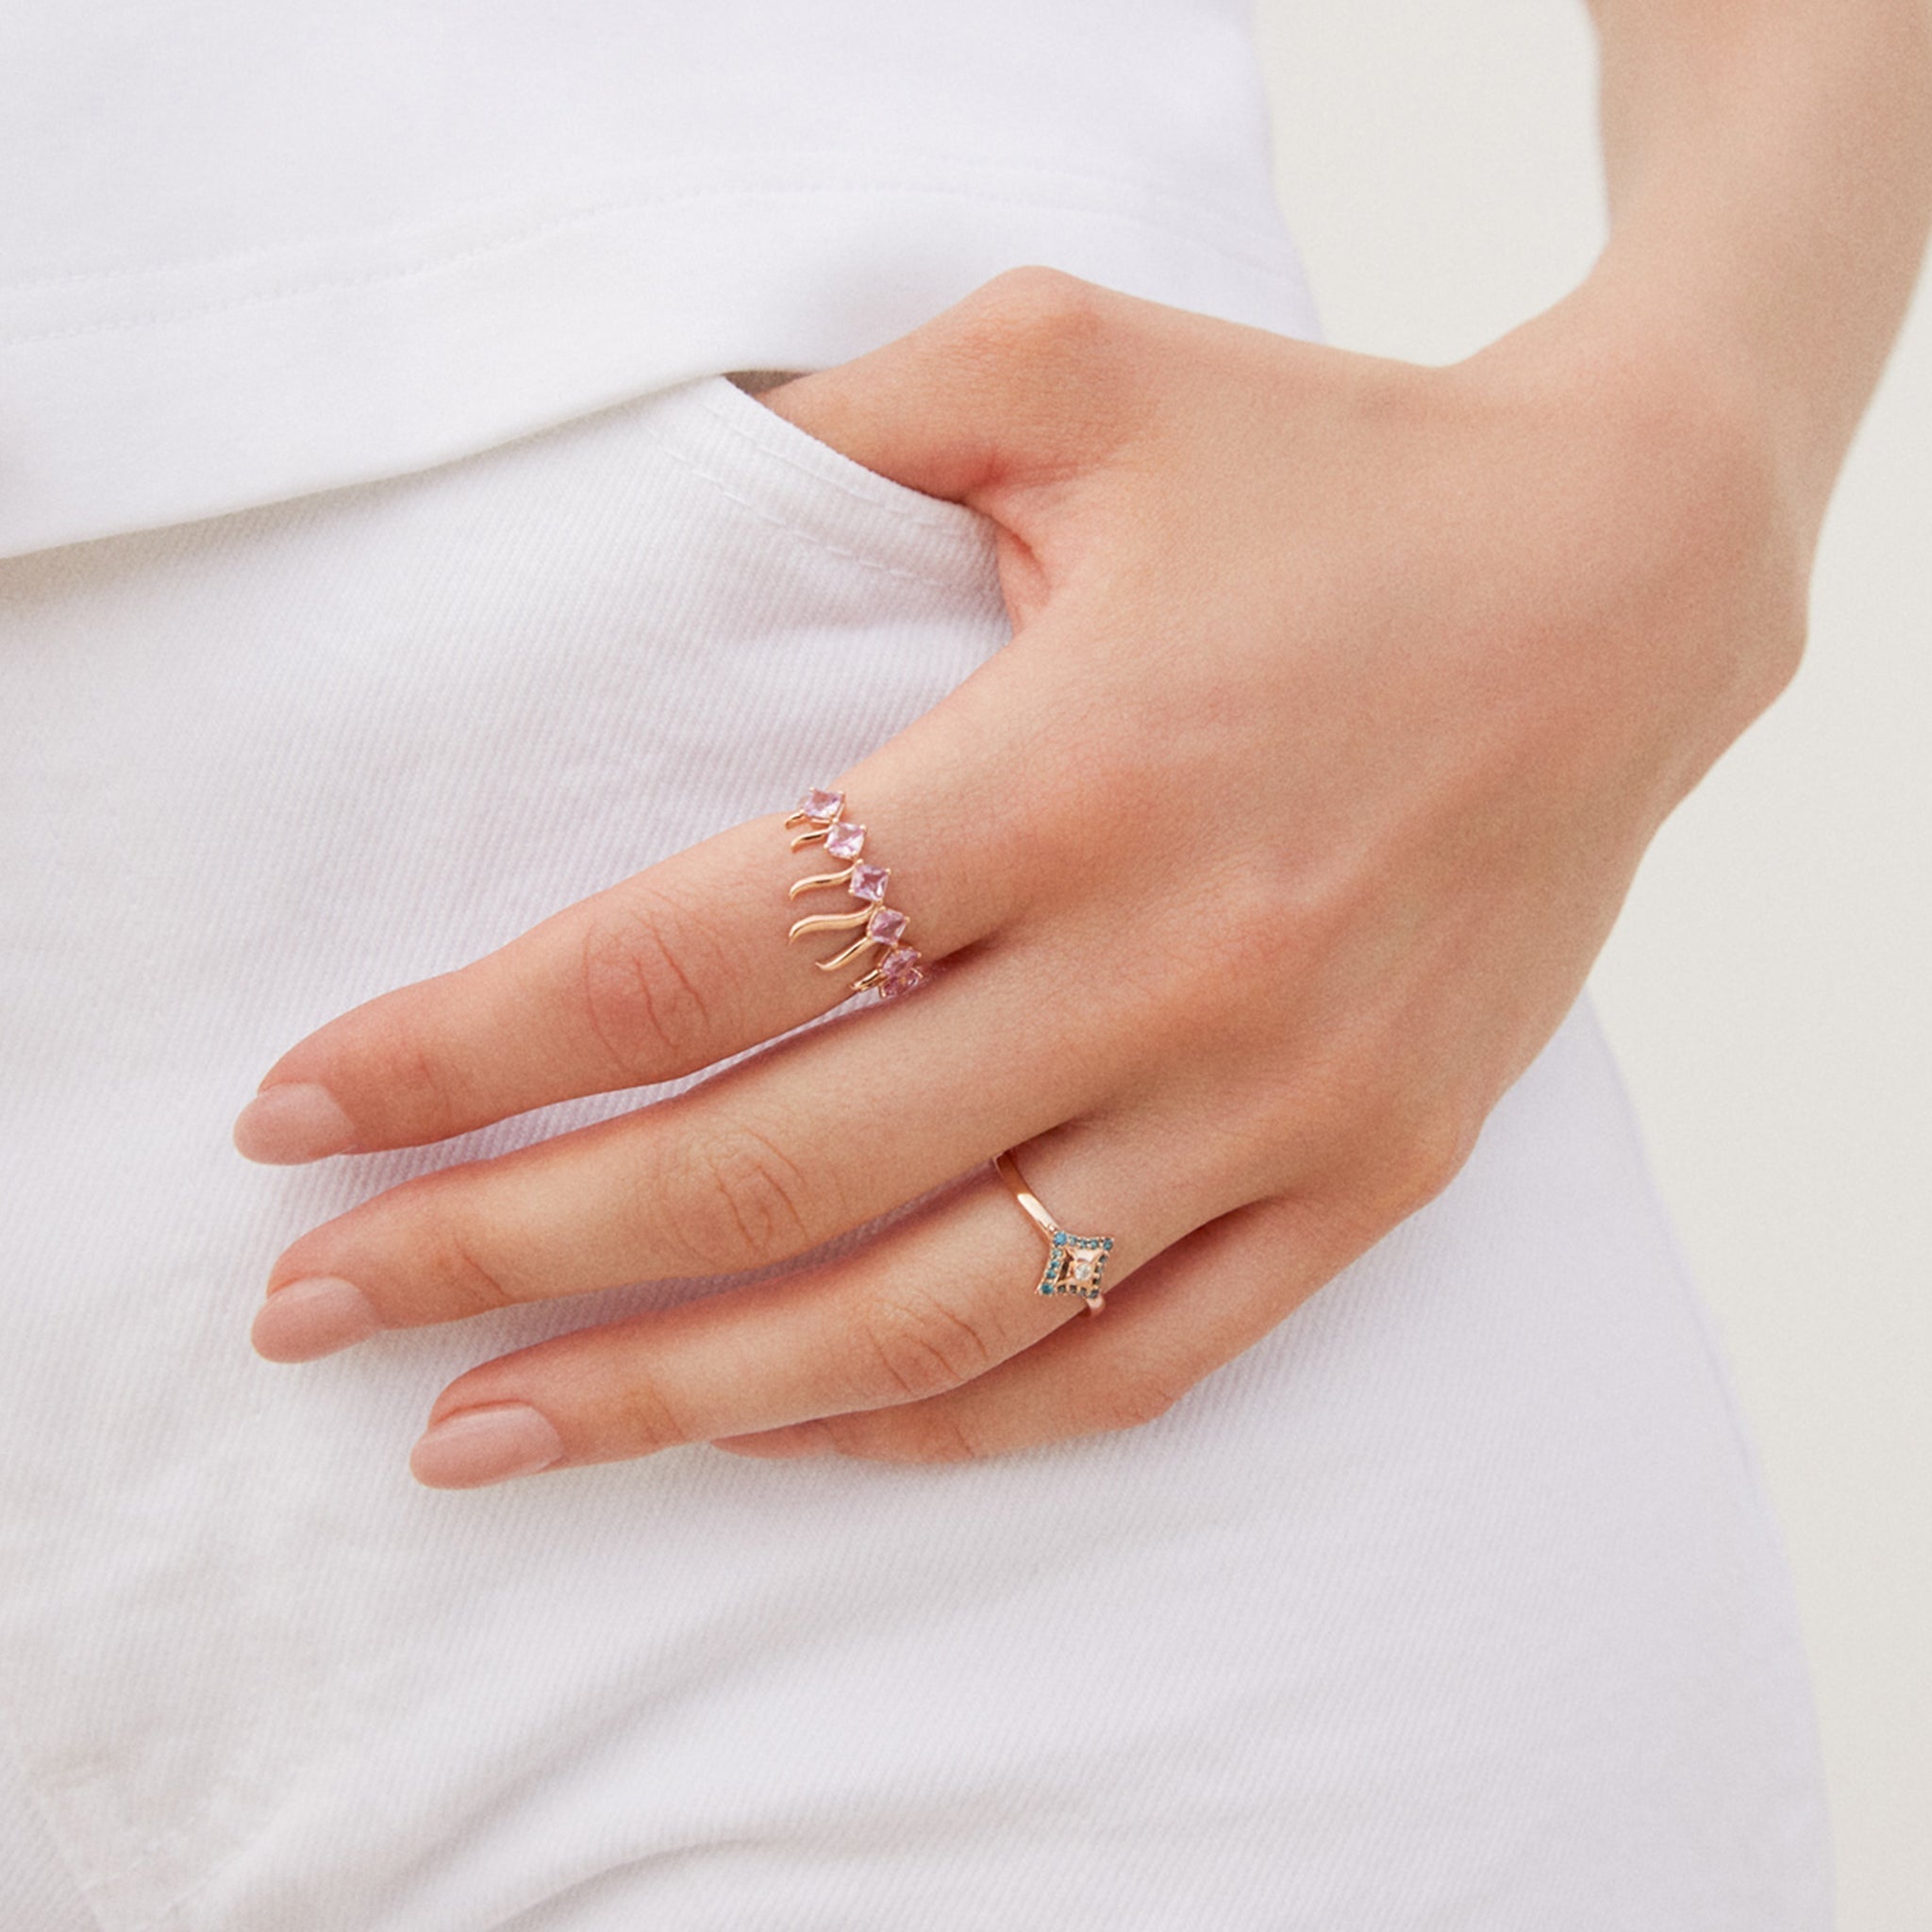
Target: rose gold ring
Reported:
point(894, 969)
point(1074, 1262)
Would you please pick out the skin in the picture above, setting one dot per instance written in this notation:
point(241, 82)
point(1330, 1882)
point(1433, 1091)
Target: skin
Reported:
point(1377, 681)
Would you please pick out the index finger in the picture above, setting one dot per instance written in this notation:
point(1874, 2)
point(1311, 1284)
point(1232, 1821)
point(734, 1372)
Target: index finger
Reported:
point(661, 976)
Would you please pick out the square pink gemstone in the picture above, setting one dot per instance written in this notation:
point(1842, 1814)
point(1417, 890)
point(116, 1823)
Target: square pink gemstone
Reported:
point(885, 924)
point(845, 840)
point(900, 972)
point(822, 805)
point(869, 882)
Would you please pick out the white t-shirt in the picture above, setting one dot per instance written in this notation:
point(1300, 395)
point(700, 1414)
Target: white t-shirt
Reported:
point(249, 250)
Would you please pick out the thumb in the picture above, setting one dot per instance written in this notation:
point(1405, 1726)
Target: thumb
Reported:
point(1026, 383)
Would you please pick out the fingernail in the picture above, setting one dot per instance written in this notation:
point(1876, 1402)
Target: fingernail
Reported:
point(313, 1317)
point(296, 1121)
point(485, 1445)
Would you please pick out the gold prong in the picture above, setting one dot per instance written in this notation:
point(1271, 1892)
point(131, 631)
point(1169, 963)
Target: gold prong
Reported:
point(851, 952)
point(812, 838)
point(871, 979)
point(825, 878)
point(831, 922)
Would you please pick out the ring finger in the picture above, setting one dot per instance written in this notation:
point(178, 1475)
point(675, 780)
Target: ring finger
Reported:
point(936, 1301)
point(822, 1134)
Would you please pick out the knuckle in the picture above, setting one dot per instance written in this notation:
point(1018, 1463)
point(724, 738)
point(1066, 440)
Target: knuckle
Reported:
point(740, 1201)
point(644, 987)
point(1049, 348)
point(1040, 305)
point(472, 1282)
point(931, 1434)
point(645, 1419)
point(1050, 366)
point(1429, 1152)
point(921, 1347)
point(1447, 1148)
point(1137, 1401)
point(399, 1076)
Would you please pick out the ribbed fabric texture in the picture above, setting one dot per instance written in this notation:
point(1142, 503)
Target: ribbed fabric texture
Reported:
point(1452, 1606)
point(37, 1892)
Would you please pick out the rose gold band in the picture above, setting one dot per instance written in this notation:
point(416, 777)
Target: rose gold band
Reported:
point(1074, 1262)
point(895, 969)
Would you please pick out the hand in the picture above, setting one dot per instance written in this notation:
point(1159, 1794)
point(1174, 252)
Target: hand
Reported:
point(1343, 698)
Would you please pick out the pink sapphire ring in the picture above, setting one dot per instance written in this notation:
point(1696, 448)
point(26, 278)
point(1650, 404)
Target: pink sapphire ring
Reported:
point(894, 968)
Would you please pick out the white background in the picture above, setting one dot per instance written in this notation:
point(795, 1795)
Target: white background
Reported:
point(1768, 986)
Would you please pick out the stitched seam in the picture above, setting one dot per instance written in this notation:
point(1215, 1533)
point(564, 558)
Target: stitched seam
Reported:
point(11, 1742)
point(912, 513)
point(138, 1860)
point(543, 230)
point(804, 534)
point(1140, 190)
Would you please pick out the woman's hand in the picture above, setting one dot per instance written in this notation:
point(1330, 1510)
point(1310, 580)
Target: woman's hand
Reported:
point(1342, 699)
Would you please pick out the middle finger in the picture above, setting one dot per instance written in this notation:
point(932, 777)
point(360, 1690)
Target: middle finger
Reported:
point(763, 1162)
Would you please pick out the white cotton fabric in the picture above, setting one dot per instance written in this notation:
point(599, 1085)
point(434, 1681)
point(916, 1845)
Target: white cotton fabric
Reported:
point(1454, 1605)
point(250, 248)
